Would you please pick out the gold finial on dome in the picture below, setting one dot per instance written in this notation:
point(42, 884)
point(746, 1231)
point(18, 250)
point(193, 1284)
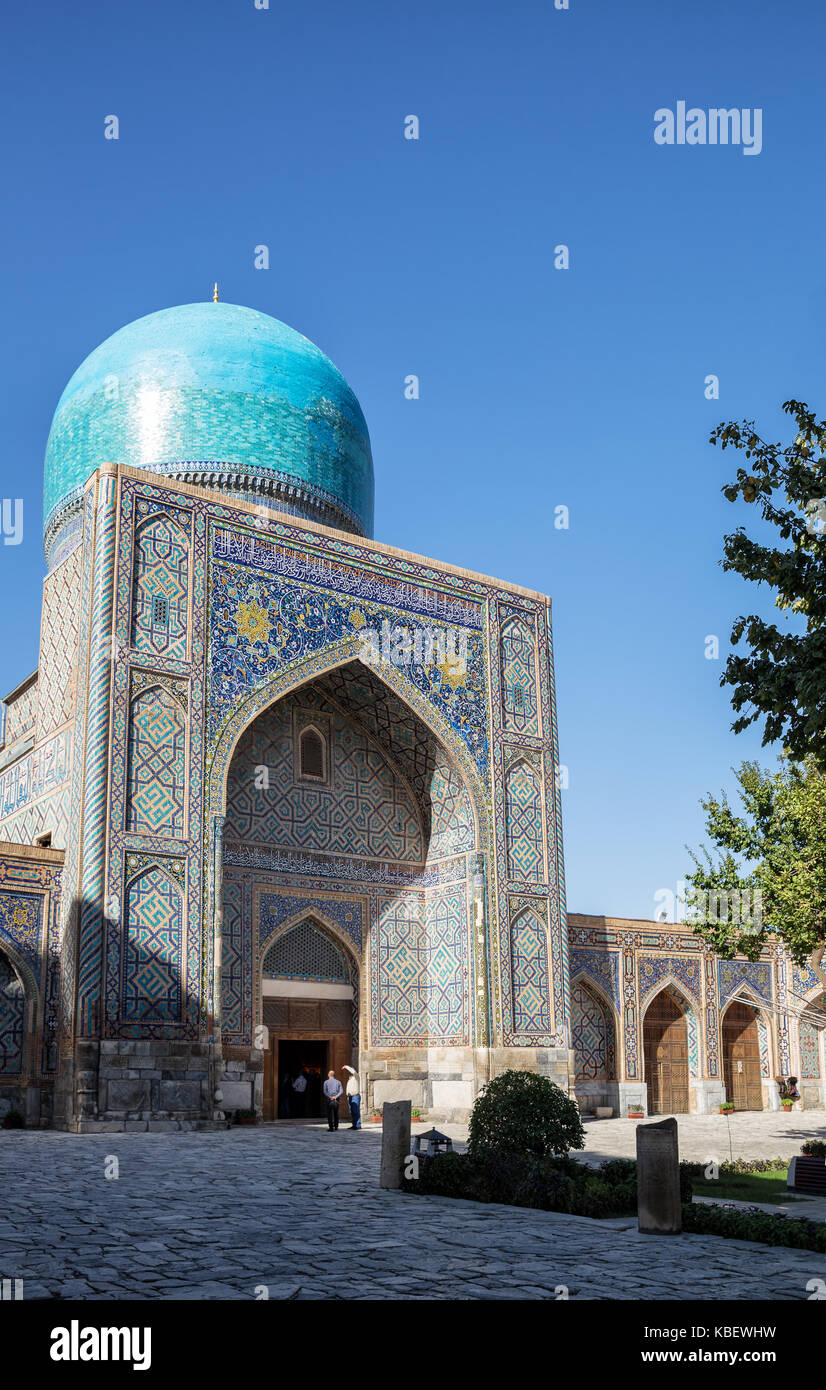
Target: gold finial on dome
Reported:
point(215, 299)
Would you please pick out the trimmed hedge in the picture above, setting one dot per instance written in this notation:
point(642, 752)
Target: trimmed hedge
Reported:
point(564, 1185)
point(737, 1224)
point(546, 1184)
point(736, 1165)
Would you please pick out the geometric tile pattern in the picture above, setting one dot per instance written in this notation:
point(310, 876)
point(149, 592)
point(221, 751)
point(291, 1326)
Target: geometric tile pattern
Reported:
point(35, 775)
point(21, 715)
point(733, 973)
point(365, 811)
point(305, 953)
point(590, 1029)
point(183, 680)
point(529, 955)
point(262, 623)
point(12, 1019)
point(154, 940)
point(518, 657)
point(253, 621)
point(655, 970)
point(21, 923)
point(157, 764)
point(763, 1046)
point(233, 963)
point(50, 813)
point(811, 1037)
point(523, 803)
point(161, 588)
point(344, 910)
point(98, 705)
point(57, 672)
point(409, 743)
point(418, 956)
point(601, 966)
point(451, 830)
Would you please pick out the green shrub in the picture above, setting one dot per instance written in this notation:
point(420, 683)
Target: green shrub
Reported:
point(522, 1113)
point(13, 1120)
point(736, 1224)
point(814, 1148)
point(737, 1165)
point(523, 1180)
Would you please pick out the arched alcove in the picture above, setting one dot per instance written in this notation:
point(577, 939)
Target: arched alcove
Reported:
point(380, 849)
point(665, 1054)
point(741, 1055)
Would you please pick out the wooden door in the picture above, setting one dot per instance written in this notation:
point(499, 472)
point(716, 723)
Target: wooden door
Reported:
point(741, 1058)
point(665, 1050)
point(319, 1020)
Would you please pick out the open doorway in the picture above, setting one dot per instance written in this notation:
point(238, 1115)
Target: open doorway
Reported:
point(307, 1058)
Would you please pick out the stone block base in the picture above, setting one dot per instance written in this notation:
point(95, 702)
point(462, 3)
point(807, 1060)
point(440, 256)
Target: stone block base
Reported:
point(443, 1082)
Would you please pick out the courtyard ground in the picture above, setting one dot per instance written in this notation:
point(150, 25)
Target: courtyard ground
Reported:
point(298, 1210)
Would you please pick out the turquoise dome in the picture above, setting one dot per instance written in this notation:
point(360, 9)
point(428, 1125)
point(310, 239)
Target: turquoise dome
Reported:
point(219, 395)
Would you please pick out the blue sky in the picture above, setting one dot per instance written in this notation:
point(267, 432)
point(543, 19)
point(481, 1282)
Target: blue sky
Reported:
point(539, 387)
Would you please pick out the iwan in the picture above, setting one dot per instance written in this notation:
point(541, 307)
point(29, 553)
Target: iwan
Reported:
point(717, 126)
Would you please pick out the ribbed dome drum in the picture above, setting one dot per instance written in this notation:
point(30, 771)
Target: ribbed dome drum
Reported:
point(220, 395)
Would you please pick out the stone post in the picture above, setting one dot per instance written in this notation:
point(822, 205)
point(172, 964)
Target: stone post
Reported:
point(658, 1179)
point(395, 1141)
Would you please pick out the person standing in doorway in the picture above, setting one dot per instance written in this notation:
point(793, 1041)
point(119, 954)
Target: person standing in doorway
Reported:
point(354, 1097)
point(332, 1090)
point(299, 1094)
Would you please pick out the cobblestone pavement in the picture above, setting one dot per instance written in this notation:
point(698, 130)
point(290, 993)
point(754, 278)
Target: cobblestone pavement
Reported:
point(295, 1208)
point(216, 1215)
point(744, 1134)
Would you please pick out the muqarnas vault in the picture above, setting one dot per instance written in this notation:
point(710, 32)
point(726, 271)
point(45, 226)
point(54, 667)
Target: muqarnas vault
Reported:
point(281, 798)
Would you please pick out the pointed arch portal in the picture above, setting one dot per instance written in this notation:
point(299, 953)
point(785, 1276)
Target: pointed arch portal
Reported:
point(364, 858)
point(741, 1057)
point(665, 1049)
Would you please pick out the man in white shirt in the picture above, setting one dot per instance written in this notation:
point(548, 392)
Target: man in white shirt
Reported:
point(354, 1097)
point(332, 1090)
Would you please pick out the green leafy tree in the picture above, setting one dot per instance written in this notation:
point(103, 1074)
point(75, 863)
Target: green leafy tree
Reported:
point(766, 872)
point(519, 1112)
point(781, 677)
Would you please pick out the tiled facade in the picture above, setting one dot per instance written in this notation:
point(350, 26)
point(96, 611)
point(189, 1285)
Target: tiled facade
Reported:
point(191, 639)
point(619, 966)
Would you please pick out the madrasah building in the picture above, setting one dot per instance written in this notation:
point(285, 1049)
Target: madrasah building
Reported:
point(280, 796)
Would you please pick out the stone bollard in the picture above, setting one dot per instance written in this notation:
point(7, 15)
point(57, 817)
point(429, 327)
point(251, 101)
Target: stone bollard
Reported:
point(395, 1141)
point(658, 1179)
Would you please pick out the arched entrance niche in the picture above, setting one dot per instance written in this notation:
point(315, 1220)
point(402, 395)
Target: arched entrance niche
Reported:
point(17, 1011)
point(742, 1072)
point(367, 829)
point(594, 1041)
point(666, 1053)
point(311, 1009)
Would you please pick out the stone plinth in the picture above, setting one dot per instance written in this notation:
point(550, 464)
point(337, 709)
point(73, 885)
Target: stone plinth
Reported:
point(658, 1179)
point(395, 1142)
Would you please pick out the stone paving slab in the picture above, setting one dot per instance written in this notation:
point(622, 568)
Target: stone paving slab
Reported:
point(744, 1134)
point(214, 1216)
